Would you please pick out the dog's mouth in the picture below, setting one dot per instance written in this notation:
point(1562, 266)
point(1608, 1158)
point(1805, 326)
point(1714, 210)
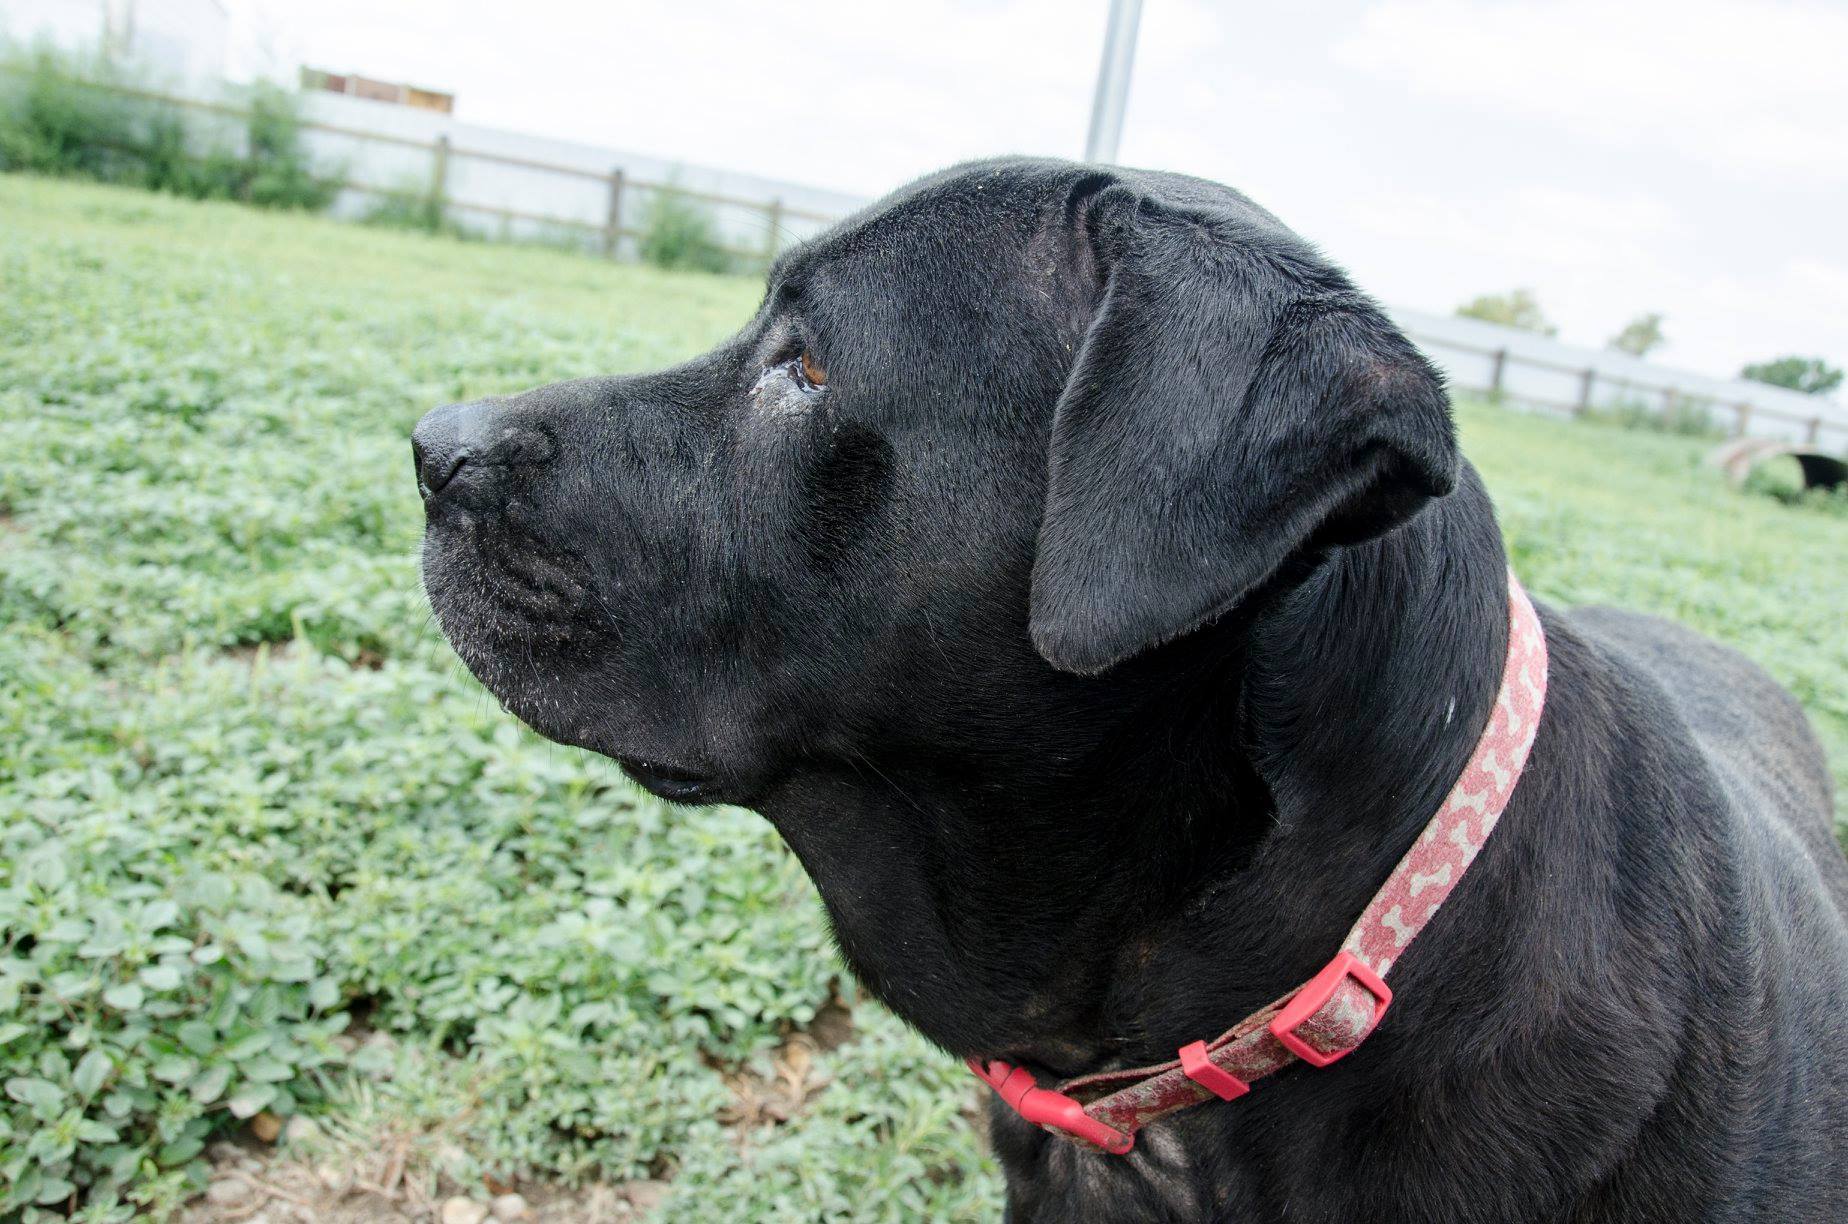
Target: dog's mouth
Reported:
point(527, 620)
point(676, 783)
point(504, 583)
point(518, 612)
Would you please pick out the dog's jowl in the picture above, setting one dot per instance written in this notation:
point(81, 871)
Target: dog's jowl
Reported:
point(1083, 578)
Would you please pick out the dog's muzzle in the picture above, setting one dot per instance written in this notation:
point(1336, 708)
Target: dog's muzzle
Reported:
point(465, 454)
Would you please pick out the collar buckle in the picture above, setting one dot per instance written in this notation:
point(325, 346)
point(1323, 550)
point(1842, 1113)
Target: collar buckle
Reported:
point(1045, 1108)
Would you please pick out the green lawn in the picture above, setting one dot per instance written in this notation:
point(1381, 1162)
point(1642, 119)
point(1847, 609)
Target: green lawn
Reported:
point(253, 813)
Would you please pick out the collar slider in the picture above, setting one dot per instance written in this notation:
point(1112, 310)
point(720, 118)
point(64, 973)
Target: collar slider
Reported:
point(1343, 1028)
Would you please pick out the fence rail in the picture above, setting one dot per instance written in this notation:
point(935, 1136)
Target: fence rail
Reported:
point(1673, 399)
point(618, 183)
point(1594, 388)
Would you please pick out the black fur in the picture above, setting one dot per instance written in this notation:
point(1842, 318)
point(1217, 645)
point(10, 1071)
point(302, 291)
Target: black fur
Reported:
point(1099, 637)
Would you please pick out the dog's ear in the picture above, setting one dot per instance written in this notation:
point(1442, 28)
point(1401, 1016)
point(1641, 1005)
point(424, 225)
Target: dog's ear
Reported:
point(1234, 401)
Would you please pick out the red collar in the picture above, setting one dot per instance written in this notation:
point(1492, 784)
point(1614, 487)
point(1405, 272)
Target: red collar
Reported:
point(1331, 1014)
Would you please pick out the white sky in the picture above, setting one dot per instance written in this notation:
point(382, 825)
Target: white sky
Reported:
point(1687, 156)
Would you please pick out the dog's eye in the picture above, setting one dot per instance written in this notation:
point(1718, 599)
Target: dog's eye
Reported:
point(813, 372)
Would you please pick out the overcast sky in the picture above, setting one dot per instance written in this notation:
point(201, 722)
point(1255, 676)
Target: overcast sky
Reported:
point(1689, 157)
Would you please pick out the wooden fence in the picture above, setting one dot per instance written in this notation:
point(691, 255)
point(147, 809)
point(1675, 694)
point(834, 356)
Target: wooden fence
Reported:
point(1670, 401)
point(605, 235)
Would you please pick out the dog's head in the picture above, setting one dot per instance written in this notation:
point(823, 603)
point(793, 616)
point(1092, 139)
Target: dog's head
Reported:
point(979, 446)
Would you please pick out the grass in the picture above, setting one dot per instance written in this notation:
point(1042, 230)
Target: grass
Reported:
point(255, 820)
point(1600, 514)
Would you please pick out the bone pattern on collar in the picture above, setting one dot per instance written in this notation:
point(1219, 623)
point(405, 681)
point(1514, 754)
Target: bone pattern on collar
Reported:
point(1116, 1104)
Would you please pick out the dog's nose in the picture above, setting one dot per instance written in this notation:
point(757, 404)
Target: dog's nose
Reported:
point(464, 452)
point(440, 447)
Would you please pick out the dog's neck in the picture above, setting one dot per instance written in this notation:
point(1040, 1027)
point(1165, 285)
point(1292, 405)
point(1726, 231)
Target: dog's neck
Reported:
point(1206, 841)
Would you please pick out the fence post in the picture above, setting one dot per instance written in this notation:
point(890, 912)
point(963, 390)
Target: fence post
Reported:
point(1815, 431)
point(1495, 370)
point(1670, 401)
point(1584, 399)
point(439, 174)
point(612, 218)
point(1744, 409)
point(773, 215)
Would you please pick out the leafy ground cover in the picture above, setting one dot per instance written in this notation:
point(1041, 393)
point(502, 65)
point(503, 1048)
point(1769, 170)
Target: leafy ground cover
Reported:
point(266, 850)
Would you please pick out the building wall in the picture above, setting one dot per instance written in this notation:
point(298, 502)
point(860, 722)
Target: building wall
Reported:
point(177, 43)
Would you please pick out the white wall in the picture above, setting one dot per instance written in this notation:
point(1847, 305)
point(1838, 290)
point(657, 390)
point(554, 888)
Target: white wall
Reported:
point(185, 38)
point(176, 43)
point(476, 181)
point(70, 25)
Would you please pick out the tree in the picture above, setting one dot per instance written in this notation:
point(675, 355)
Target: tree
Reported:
point(1640, 336)
point(1516, 309)
point(1810, 375)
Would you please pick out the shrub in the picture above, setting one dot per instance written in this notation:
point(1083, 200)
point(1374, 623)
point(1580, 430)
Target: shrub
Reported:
point(411, 207)
point(1684, 416)
point(54, 121)
point(1809, 375)
point(168, 163)
point(1640, 336)
point(1519, 309)
point(1782, 480)
point(678, 232)
point(66, 116)
point(278, 169)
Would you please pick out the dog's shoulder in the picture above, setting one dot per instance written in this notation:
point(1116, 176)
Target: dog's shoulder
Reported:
point(1771, 936)
point(1751, 732)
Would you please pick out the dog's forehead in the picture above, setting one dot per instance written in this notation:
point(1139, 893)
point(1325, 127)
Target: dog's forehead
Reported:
point(979, 210)
point(981, 213)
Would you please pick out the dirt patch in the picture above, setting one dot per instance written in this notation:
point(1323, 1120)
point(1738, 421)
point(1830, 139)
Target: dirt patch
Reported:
point(794, 1079)
point(832, 1026)
point(253, 653)
point(309, 1181)
point(349, 1171)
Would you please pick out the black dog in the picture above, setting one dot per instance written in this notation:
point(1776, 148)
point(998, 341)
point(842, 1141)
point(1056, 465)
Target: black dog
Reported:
point(1082, 577)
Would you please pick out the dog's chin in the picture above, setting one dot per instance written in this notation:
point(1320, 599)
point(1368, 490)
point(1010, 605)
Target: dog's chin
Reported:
point(534, 669)
point(521, 634)
point(494, 584)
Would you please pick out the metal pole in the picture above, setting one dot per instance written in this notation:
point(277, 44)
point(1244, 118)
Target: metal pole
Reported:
point(1113, 81)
